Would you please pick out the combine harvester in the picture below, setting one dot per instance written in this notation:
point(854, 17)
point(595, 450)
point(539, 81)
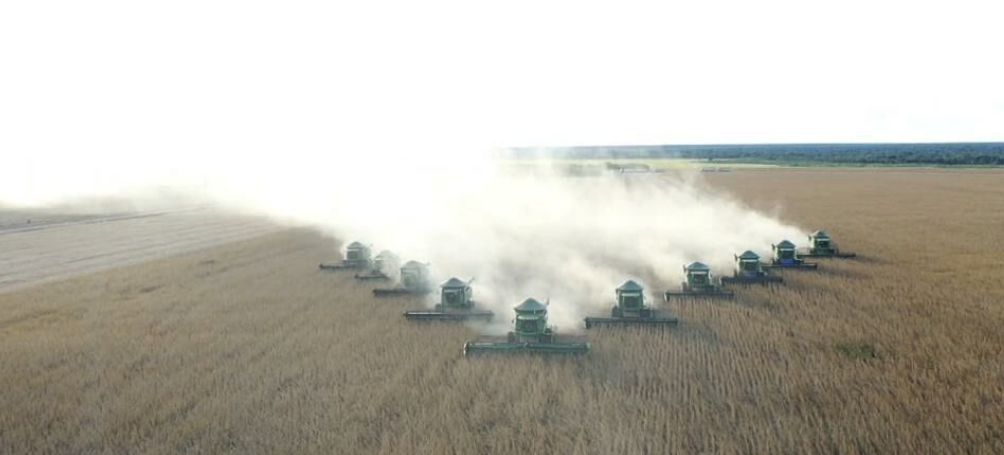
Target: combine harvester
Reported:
point(414, 281)
point(700, 283)
point(631, 309)
point(785, 257)
point(357, 256)
point(455, 304)
point(750, 271)
point(821, 246)
point(383, 265)
point(531, 334)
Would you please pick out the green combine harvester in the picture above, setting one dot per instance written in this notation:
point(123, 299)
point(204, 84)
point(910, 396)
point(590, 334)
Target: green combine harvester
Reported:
point(383, 266)
point(631, 309)
point(531, 334)
point(357, 256)
point(700, 283)
point(414, 281)
point(455, 304)
point(749, 270)
point(822, 246)
point(786, 257)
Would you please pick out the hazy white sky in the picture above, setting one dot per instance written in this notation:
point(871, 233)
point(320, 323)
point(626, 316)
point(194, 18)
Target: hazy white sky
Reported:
point(127, 90)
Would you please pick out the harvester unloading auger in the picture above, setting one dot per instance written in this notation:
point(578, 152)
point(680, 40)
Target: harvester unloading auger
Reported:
point(456, 303)
point(750, 271)
point(357, 256)
point(414, 281)
point(822, 246)
point(383, 267)
point(531, 334)
point(700, 283)
point(631, 309)
point(785, 257)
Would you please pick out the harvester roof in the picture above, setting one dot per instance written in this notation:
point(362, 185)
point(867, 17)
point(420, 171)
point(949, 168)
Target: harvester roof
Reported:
point(531, 306)
point(413, 265)
point(356, 246)
point(820, 234)
point(454, 282)
point(385, 254)
point(698, 267)
point(749, 255)
point(785, 245)
point(630, 286)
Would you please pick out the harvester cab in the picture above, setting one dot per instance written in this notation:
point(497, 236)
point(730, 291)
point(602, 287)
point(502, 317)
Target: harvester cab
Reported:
point(455, 293)
point(749, 271)
point(748, 264)
point(699, 283)
point(455, 303)
point(821, 245)
point(414, 280)
point(357, 256)
point(786, 257)
point(415, 275)
point(384, 266)
point(531, 323)
point(530, 334)
point(631, 308)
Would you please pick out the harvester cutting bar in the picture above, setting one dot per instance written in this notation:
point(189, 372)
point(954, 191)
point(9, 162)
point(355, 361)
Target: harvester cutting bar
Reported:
point(344, 265)
point(631, 321)
point(698, 295)
point(794, 266)
point(372, 275)
point(391, 292)
point(810, 254)
point(448, 315)
point(476, 347)
point(762, 279)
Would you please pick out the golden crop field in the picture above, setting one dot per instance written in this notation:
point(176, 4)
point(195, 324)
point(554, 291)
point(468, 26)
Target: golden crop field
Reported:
point(248, 348)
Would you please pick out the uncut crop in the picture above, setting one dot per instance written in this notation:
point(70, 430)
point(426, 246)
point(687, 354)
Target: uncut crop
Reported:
point(248, 348)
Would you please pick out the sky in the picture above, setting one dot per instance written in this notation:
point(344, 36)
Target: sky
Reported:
point(119, 93)
point(376, 121)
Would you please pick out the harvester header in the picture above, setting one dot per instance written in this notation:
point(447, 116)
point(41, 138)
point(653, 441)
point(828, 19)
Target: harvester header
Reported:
point(631, 309)
point(699, 283)
point(357, 256)
point(530, 334)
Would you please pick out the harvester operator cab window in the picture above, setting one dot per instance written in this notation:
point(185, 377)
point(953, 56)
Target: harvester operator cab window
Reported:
point(527, 325)
point(451, 296)
point(823, 244)
point(352, 254)
point(632, 300)
point(748, 266)
point(699, 278)
point(786, 254)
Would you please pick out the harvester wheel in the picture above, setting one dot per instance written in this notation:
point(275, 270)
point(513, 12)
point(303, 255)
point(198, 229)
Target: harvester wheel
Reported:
point(439, 307)
point(646, 313)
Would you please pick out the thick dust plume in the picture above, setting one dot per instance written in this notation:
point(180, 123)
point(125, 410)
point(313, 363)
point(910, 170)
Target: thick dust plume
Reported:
point(528, 230)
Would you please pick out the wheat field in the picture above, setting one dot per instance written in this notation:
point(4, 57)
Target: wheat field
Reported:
point(247, 348)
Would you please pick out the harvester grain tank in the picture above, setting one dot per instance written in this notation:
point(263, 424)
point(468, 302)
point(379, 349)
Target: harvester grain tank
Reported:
point(456, 303)
point(384, 266)
point(786, 257)
point(357, 256)
point(822, 246)
point(749, 270)
point(414, 280)
point(530, 334)
point(700, 283)
point(631, 309)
